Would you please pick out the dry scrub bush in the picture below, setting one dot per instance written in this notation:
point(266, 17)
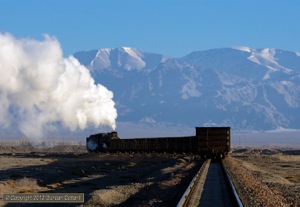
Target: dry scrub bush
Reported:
point(23, 185)
point(27, 185)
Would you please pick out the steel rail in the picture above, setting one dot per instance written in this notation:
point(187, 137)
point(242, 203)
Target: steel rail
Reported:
point(203, 187)
point(235, 194)
point(187, 194)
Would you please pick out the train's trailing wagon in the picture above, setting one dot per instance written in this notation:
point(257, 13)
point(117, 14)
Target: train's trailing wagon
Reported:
point(213, 140)
point(208, 142)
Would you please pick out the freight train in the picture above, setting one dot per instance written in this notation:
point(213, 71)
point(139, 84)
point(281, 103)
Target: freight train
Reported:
point(208, 142)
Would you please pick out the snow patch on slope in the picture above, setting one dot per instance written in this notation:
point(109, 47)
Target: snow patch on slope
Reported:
point(229, 79)
point(134, 60)
point(266, 57)
point(242, 48)
point(189, 90)
point(245, 95)
point(102, 59)
point(132, 52)
point(263, 57)
point(128, 58)
point(289, 91)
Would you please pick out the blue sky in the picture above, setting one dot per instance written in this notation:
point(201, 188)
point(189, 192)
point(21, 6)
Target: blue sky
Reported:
point(173, 28)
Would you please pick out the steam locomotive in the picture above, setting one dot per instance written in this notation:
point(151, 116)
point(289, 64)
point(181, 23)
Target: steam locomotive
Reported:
point(208, 142)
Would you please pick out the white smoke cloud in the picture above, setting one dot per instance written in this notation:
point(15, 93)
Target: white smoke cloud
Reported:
point(39, 88)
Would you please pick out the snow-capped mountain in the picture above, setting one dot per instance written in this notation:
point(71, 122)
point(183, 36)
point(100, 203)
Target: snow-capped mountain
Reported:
point(119, 59)
point(240, 87)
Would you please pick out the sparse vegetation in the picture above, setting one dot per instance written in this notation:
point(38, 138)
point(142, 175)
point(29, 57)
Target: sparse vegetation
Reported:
point(266, 177)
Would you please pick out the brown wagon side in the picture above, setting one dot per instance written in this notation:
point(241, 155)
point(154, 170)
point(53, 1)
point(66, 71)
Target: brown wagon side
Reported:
point(208, 142)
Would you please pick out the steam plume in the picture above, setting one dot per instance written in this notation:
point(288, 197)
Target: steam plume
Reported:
point(39, 88)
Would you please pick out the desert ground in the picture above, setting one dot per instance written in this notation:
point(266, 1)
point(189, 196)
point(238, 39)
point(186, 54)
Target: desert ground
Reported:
point(263, 177)
point(105, 179)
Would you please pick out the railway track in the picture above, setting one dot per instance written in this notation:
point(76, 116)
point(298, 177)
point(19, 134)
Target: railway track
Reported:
point(210, 187)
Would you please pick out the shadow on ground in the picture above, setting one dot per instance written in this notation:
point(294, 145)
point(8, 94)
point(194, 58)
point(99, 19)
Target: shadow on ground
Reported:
point(87, 173)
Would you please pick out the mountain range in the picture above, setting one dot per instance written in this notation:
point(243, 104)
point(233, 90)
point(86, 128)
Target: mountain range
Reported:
point(241, 87)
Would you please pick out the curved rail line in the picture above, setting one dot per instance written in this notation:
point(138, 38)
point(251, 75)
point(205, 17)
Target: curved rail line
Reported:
point(211, 186)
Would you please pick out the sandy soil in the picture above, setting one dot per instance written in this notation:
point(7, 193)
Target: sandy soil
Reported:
point(266, 177)
point(105, 179)
point(263, 177)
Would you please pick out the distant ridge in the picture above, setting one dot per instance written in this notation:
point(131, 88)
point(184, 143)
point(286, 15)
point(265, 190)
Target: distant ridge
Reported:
point(247, 88)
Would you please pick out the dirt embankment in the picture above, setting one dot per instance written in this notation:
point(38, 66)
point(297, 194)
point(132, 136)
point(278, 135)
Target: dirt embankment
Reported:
point(266, 177)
